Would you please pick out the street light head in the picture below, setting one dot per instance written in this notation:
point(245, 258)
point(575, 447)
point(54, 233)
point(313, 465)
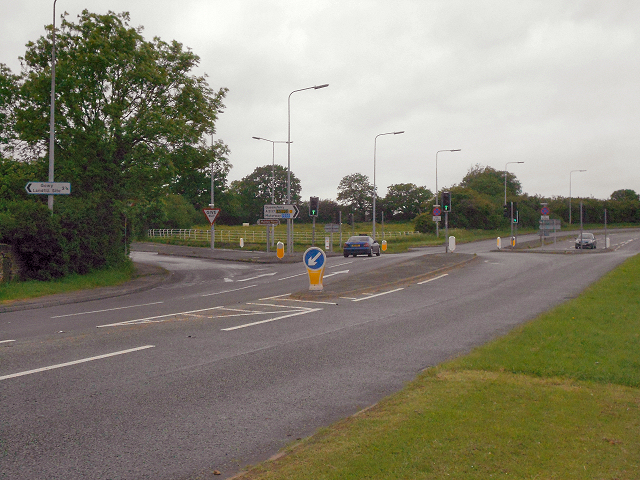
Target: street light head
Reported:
point(456, 150)
point(257, 138)
point(396, 133)
point(321, 86)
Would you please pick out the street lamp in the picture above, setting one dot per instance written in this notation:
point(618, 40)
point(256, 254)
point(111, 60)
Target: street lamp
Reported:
point(52, 131)
point(570, 191)
point(289, 220)
point(273, 164)
point(436, 192)
point(505, 180)
point(374, 177)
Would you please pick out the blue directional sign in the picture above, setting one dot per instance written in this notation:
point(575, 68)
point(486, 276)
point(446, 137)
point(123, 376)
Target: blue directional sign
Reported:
point(314, 258)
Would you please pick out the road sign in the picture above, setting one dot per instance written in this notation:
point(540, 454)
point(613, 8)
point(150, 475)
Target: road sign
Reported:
point(332, 227)
point(211, 214)
point(48, 188)
point(268, 221)
point(436, 211)
point(314, 259)
point(553, 224)
point(544, 211)
point(281, 211)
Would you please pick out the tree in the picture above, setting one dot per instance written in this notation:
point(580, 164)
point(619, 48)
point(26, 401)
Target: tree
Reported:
point(625, 195)
point(8, 93)
point(406, 200)
point(130, 123)
point(356, 191)
point(126, 108)
point(489, 181)
point(254, 190)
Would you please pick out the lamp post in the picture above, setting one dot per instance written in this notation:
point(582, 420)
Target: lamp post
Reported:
point(273, 178)
point(570, 191)
point(289, 220)
point(52, 128)
point(374, 177)
point(436, 192)
point(505, 180)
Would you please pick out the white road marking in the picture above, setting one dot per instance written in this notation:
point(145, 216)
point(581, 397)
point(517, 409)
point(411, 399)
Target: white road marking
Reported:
point(304, 312)
point(75, 362)
point(292, 276)
point(340, 264)
point(257, 276)
point(432, 279)
point(228, 291)
point(6, 341)
point(336, 273)
point(378, 294)
point(106, 310)
point(148, 319)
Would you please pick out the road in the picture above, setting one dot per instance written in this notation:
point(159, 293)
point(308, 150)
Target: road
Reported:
point(220, 368)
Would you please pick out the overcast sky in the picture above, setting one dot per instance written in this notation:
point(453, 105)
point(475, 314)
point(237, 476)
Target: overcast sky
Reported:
point(553, 84)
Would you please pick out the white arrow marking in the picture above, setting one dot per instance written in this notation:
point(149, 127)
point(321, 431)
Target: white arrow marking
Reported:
point(258, 276)
point(314, 260)
point(336, 273)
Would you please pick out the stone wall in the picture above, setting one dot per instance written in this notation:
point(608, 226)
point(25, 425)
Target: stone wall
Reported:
point(9, 265)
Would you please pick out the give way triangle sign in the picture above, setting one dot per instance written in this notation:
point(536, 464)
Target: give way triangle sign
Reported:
point(212, 214)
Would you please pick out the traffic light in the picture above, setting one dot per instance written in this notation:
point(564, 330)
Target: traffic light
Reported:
point(446, 201)
point(514, 219)
point(506, 210)
point(313, 206)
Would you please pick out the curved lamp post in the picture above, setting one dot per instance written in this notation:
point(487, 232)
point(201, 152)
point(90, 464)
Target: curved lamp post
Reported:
point(374, 177)
point(570, 191)
point(436, 192)
point(289, 220)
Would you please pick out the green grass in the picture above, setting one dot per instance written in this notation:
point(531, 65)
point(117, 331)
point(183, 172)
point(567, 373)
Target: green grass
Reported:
point(100, 278)
point(558, 398)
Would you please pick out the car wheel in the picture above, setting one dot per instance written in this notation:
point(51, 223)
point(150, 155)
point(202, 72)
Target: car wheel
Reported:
point(378, 253)
point(346, 255)
point(370, 253)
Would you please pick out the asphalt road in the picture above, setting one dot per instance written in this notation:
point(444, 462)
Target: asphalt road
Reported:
point(220, 367)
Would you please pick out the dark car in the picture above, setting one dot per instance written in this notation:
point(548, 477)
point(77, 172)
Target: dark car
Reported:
point(361, 245)
point(586, 240)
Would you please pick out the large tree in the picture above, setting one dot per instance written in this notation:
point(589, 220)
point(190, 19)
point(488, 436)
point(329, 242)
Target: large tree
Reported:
point(126, 108)
point(356, 191)
point(254, 190)
point(406, 200)
point(489, 181)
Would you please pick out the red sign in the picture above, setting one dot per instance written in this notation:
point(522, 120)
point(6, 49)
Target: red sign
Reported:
point(436, 211)
point(211, 214)
point(544, 211)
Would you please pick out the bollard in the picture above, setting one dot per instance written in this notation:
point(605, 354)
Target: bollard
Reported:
point(384, 245)
point(280, 250)
point(241, 242)
point(499, 243)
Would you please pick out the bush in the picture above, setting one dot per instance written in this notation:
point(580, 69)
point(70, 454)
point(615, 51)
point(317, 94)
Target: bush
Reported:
point(424, 223)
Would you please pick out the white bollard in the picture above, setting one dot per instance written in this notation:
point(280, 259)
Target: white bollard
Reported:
point(452, 243)
point(499, 243)
point(241, 242)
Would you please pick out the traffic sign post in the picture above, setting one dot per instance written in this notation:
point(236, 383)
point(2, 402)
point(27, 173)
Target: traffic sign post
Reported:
point(270, 223)
point(437, 213)
point(212, 214)
point(48, 188)
point(315, 259)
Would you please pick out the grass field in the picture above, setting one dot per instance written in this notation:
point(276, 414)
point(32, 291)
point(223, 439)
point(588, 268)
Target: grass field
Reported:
point(558, 398)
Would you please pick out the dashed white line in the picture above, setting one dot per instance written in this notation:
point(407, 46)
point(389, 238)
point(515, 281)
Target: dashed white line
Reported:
point(75, 362)
point(378, 294)
point(148, 319)
point(257, 276)
point(228, 291)
point(6, 341)
point(432, 279)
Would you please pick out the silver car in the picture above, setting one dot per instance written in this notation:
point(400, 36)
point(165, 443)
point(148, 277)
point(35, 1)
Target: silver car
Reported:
point(586, 240)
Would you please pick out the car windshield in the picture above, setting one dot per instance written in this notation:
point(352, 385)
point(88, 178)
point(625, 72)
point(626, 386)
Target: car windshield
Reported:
point(358, 238)
point(586, 236)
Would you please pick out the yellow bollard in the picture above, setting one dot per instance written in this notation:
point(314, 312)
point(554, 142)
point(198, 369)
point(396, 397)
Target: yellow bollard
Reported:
point(280, 250)
point(384, 245)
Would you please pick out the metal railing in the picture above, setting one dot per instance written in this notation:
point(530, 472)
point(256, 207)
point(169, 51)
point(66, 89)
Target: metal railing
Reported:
point(258, 235)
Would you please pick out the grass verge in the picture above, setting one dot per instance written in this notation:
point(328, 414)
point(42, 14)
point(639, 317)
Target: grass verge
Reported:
point(100, 278)
point(558, 397)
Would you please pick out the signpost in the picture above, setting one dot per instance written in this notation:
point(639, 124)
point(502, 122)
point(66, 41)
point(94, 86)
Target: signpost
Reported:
point(48, 188)
point(331, 228)
point(212, 214)
point(437, 213)
point(314, 259)
point(269, 222)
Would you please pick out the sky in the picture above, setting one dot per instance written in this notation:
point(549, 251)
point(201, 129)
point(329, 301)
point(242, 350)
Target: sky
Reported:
point(553, 84)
